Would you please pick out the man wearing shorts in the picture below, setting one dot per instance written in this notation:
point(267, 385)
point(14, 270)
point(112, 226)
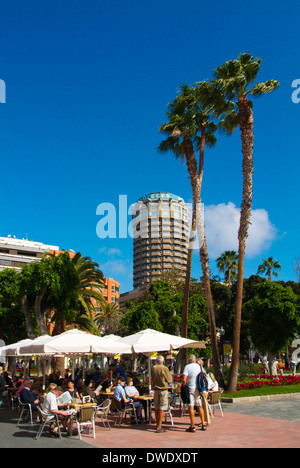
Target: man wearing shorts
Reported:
point(189, 377)
point(161, 378)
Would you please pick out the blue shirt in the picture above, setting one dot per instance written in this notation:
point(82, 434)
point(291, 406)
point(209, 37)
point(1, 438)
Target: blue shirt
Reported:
point(121, 372)
point(119, 392)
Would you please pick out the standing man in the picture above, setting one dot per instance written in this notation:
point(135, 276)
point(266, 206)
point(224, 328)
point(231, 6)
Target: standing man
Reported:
point(189, 377)
point(161, 378)
point(117, 373)
point(293, 367)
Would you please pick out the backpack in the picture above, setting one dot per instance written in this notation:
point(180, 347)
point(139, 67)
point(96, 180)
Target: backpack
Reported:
point(201, 381)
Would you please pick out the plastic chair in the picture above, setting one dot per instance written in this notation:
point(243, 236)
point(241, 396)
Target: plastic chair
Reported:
point(102, 411)
point(25, 407)
point(86, 418)
point(214, 401)
point(47, 419)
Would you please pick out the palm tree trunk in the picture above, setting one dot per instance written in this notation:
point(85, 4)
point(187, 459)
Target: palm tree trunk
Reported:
point(196, 188)
point(182, 355)
point(246, 126)
point(229, 277)
point(270, 275)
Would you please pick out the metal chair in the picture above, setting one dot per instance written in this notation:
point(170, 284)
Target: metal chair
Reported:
point(214, 401)
point(13, 399)
point(102, 411)
point(25, 408)
point(168, 412)
point(46, 419)
point(123, 411)
point(85, 418)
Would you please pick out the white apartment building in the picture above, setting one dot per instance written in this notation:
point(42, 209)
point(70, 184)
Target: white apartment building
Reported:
point(15, 253)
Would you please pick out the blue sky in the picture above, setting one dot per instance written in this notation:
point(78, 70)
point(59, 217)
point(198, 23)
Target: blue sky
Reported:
point(87, 87)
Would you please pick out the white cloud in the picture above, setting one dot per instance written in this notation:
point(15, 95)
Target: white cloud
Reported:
point(114, 252)
point(117, 267)
point(221, 229)
point(116, 264)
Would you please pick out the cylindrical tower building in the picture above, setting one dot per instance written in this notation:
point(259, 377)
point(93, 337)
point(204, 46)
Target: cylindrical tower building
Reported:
point(160, 224)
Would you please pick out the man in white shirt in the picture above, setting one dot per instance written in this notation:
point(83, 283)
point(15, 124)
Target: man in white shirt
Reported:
point(50, 407)
point(189, 377)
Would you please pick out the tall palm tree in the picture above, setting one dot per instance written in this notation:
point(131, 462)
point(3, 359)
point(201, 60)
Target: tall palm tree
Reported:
point(228, 263)
point(190, 127)
point(91, 283)
point(269, 267)
point(233, 79)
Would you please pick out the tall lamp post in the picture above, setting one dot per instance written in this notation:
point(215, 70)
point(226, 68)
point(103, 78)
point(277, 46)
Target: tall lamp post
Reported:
point(221, 333)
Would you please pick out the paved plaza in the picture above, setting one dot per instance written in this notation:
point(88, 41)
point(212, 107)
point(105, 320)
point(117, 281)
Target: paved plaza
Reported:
point(262, 424)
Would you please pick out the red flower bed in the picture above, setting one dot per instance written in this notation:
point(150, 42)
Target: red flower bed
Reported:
point(270, 381)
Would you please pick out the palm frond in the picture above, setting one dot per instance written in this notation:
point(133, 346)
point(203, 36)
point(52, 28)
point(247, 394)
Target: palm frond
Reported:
point(229, 123)
point(264, 88)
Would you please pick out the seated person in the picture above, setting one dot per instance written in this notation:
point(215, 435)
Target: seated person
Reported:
point(96, 377)
point(25, 381)
point(50, 407)
point(27, 396)
point(37, 385)
point(80, 389)
point(2, 387)
point(71, 389)
point(90, 391)
point(132, 392)
point(103, 386)
point(120, 395)
point(7, 378)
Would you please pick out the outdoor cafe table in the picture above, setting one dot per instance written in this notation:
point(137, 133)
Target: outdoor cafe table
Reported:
point(106, 394)
point(148, 399)
point(77, 406)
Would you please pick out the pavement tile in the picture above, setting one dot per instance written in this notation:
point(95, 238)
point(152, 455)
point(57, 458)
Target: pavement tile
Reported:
point(246, 425)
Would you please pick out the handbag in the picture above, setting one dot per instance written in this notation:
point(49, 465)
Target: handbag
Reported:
point(185, 394)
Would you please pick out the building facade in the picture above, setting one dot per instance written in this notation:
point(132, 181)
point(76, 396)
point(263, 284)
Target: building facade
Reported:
point(111, 291)
point(160, 223)
point(15, 253)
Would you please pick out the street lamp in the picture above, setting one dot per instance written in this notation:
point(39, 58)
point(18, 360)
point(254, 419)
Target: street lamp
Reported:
point(221, 333)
